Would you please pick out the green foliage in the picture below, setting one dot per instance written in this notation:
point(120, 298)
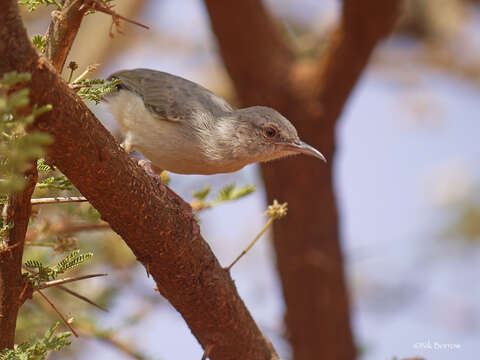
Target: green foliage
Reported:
point(39, 42)
point(228, 193)
point(42, 166)
point(17, 148)
point(60, 182)
point(202, 194)
point(37, 349)
point(33, 4)
point(4, 228)
point(46, 273)
point(94, 89)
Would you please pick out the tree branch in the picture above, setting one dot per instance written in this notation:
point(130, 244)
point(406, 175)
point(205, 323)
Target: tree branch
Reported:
point(62, 31)
point(156, 223)
point(57, 200)
point(363, 25)
point(13, 290)
point(265, 57)
point(12, 284)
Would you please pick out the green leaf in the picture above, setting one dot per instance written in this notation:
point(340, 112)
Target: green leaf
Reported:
point(242, 191)
point(60, 182)
point(33, 4)
point(46, 273)
point(71, 261)
point(226, 193)
point(37, 349)
point(12, 78)
point(94, 89)
point(229, 192)
point(39, 42)
point(42, 166)
point(18, 148)
point(202, 194)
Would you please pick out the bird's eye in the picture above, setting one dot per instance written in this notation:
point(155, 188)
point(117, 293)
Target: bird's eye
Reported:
point(270, 132)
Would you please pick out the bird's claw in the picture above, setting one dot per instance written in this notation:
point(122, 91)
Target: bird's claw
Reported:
point(150, 168)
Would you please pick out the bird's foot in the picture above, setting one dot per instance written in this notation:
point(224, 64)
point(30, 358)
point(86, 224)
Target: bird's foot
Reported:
point(149, 167)
point(155, 171)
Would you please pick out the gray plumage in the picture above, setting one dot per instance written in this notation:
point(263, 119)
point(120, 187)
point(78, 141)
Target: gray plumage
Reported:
point(182, 127)
point(171, 97)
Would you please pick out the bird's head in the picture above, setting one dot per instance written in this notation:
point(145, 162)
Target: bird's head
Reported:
point(263, 134)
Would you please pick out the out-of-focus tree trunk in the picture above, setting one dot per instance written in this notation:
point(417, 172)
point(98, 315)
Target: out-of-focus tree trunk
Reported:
point(265, 71)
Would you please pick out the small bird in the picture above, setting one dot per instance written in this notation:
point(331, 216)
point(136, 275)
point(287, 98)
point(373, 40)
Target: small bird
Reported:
point(184, 128)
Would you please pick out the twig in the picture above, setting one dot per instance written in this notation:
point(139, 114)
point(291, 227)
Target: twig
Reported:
point(71, 292)
point(88, 329)
point(115, 16)
point(77, 86)
point(88, 70)
point(63, 229)
point(81, 297)
point(58, 313)
point(66, 280)
point(267, 225)
point(59, 199)
point(275, 211)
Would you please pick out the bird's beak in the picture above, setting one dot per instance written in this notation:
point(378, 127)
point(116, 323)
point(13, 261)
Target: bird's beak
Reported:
point(303, 148)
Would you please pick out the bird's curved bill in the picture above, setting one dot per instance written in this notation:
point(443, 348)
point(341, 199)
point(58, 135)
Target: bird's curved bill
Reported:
point(303, 148)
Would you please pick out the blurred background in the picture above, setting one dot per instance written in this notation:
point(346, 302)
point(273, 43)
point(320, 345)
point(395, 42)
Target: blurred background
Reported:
point(405, 175)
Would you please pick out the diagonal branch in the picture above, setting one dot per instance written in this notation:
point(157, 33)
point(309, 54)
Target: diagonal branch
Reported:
point(156, 223)
point(81, 297)
point(62, 31)
point(363, 25)
point(59, 282)
point(65, 320)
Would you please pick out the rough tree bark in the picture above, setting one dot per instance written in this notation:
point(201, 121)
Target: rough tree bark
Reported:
point(62, 31)
point(157, 225)
point(12, 286)
point(264, 71)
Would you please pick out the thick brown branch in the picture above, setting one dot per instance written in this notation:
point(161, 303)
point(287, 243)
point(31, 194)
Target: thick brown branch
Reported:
point(62, 31)
point(12, 285)
point(156, 223)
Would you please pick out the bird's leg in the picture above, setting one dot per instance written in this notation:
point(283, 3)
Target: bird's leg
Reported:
point(151, 169)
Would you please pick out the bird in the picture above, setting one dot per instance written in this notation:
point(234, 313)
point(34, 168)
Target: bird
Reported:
point(184, 128)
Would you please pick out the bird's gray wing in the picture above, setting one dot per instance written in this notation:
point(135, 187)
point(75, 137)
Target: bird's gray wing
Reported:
point(170, 97)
